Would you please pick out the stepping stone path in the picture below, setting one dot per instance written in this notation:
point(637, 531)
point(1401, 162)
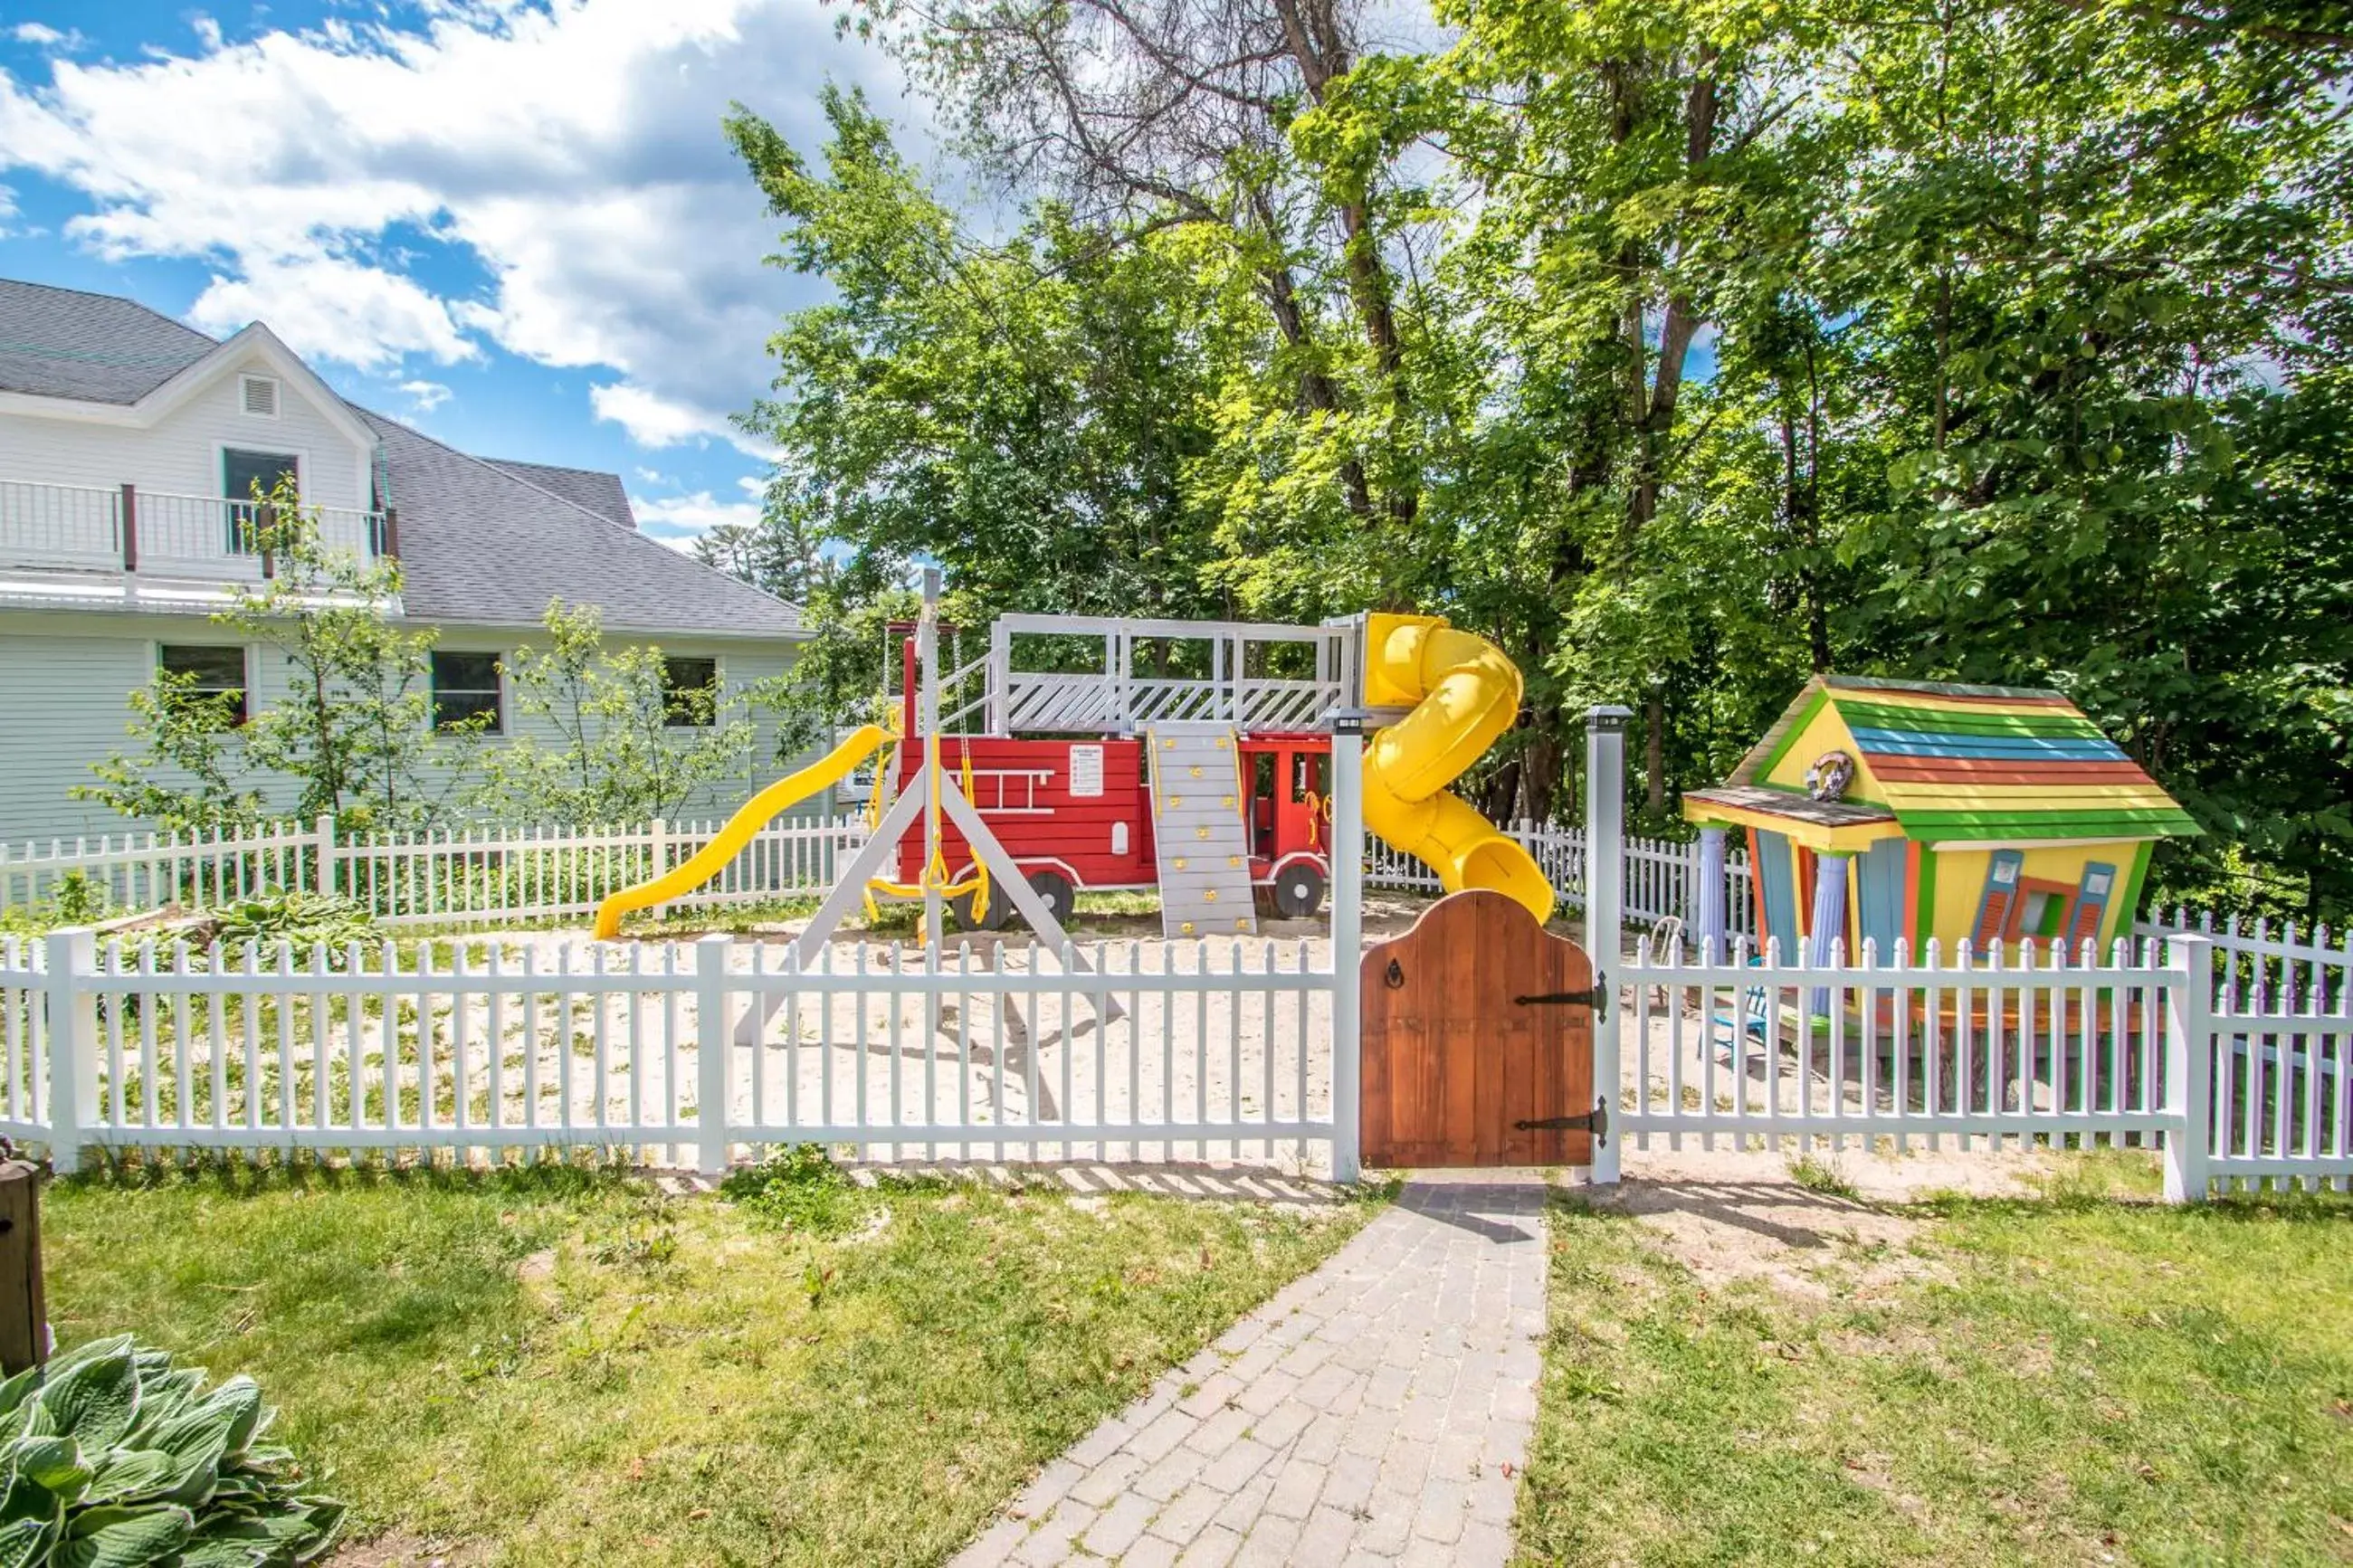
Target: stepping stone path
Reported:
point(1377, 1411)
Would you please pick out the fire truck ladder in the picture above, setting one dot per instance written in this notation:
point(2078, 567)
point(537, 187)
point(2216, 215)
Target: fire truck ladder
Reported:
point(1198, 804)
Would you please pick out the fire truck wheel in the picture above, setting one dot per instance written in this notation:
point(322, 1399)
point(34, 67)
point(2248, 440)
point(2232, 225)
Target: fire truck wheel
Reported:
point(1061, 899)
point(1298, 890)
point(1001, 912)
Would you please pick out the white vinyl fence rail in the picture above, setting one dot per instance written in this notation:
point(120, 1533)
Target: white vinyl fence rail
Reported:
point(496, 872)
point(1661, 873)
point(685, 1052)
point(2027, 1046)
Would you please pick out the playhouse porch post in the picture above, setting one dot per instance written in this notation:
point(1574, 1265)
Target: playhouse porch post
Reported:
point(1828, 928)
point(1708, 912)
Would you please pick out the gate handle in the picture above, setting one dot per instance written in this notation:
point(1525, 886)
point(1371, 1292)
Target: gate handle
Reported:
point(1396, 977)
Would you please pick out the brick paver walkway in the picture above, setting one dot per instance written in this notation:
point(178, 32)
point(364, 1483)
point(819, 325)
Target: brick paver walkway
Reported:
point(1377, 1411)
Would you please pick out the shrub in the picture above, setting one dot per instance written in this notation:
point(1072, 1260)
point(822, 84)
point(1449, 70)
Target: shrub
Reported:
point(301, 918)
point(115, 1458)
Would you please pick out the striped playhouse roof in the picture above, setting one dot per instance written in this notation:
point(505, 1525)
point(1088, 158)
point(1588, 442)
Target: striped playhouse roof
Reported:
point(1992, 764)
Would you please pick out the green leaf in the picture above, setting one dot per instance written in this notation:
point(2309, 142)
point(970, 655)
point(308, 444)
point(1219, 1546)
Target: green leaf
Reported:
point(124, 1537)
point(96, 1400)
point(26, 1542)
point(131, 1473)
point(54, 1463)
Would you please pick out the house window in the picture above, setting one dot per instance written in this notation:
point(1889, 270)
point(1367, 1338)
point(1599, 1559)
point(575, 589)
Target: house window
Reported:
point(242, 473)
point(689, 692)
point(208, 672)
point(257, 395)
point(466, 691)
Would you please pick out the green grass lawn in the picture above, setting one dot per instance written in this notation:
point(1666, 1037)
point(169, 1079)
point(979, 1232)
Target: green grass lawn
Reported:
point(2069, 1379)
point(560, 1366)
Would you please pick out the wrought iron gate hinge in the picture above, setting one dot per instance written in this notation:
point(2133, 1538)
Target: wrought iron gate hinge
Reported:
point(1596, 1121)
point(1595, 997)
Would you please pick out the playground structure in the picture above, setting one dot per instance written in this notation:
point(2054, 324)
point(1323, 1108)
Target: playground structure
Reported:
point(1211, 785)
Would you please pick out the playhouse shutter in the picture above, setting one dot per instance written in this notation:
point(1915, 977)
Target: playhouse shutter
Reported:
point(2000, 896)
point(2091, 904)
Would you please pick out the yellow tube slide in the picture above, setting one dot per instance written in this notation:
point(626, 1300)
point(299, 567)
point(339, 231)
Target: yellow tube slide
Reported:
point(1464, 693)
point(706, 862)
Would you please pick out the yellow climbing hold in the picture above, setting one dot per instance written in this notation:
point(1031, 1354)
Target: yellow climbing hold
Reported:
point(1233, 859)
point(1196, 772)
point(1200, 833)
point(1181, 862)
point(1209, 894)
point(1228, 801)
point(1186, 928)
point(1176, 800)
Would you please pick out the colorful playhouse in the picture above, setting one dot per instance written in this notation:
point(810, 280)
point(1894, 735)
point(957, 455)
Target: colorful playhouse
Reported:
point(1888, 811)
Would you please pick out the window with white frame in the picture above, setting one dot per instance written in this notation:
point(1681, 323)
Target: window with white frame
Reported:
point(466, 692)
point(210, 673)
point(689, 692)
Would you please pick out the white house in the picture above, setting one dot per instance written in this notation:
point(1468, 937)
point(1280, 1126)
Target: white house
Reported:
point(126, 439)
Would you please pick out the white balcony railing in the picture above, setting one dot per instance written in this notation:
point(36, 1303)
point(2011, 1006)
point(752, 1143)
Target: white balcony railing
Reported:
point(80, 527)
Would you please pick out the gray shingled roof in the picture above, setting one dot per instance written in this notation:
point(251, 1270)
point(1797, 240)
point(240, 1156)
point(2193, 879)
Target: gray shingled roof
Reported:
point(584, 488)
point(483, 544)
point(480, 546)
point(62, 343)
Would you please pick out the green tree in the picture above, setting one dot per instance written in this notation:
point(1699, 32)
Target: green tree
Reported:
point(187, 775)
point(627, 745)
point(354, 733)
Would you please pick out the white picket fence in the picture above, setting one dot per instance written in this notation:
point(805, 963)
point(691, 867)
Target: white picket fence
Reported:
point(2150, 1043)
point(684, 1052)
point(452, 875)
point(507, 873)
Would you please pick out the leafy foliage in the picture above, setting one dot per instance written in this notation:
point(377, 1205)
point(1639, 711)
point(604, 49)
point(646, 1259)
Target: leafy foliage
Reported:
point(800, 1188)
point(1685, 349)
point(116, 1458)
point(625, 747)
point(305, 919)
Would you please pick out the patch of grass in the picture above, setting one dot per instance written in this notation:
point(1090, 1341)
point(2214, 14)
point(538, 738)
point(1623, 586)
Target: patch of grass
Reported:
point(1823, 1176)
point(558, 1365)
point(2069, 1380)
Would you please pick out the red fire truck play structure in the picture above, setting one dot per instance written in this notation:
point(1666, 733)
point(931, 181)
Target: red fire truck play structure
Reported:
point(1210, 786)
point(1192, 758)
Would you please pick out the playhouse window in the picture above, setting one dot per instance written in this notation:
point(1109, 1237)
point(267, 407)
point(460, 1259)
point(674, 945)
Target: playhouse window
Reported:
point(1306, 775)
point(2043, 907)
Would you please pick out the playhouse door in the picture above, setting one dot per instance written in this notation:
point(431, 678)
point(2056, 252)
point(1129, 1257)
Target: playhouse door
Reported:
point(1478, 1042)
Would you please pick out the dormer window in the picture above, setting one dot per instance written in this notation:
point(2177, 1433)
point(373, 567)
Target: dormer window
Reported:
point(257, 395)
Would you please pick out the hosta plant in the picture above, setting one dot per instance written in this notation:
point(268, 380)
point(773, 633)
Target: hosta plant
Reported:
point(113, 1458)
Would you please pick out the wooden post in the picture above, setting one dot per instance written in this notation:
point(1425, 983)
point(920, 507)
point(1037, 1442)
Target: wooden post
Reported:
point(24, 1314)
point(130, 528)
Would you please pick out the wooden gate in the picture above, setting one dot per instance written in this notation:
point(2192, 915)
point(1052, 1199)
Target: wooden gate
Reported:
point(1478, 1042)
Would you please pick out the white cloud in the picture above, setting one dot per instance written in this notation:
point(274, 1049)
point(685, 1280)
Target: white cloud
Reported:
point(41, 35)
point(550, 179)
point(678, 520)
point(335, 310)
point(427, 395)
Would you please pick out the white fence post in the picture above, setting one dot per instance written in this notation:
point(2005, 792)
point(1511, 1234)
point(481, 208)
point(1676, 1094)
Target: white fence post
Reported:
point(323, 856)
point(2189, 1067)
point(1347, 938)
point(714, 1034)
point(1605, 902)
point(660, 860)
point(73, 1045)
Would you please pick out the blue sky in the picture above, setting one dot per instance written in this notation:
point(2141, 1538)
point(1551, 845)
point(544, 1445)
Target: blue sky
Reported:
point(511, 223)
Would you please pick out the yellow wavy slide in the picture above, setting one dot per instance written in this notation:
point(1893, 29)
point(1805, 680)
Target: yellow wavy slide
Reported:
point(1464, 694)
point(707, 862)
